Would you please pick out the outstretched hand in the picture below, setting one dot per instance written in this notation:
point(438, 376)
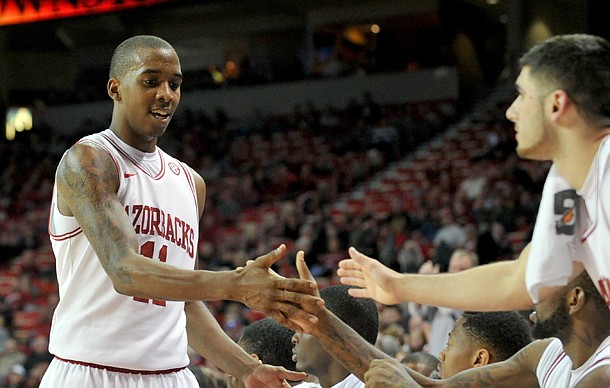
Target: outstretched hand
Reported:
point(373, 278)
point(285, 300)
point(271, 376)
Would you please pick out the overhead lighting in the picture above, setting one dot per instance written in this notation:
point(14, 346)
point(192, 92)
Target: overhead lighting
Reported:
point(17, 120)
point(375, 28)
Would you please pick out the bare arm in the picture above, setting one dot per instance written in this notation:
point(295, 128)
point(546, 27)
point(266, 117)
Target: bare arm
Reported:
point(208, 339)
point(87, 182)
point(497, 286)
point(519, 370)
point(341, 341)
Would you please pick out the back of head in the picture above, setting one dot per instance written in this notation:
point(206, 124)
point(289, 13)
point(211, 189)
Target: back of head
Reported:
point(422, 362)
point(358, 313)
point(579, 64)
point(503, 333)
point(126, 53)
point(270, 341)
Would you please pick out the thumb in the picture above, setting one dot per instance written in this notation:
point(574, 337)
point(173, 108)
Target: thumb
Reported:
point(266, 261)
point(302, 268)
point(358, 257)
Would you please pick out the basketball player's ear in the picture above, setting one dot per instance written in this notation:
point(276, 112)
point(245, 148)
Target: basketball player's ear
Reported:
point(482, 358)
point(113, 89)
point(575, 300)
point(560, 102)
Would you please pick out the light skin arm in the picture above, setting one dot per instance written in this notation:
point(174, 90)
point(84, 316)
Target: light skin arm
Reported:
point(87, 182)
point(503, 284)
point(519, 370)
point(208, 339)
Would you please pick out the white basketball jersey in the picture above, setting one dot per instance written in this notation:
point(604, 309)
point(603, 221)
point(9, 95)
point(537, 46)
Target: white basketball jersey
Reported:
point(93, 323)
point(555, 367)
point(573, 226)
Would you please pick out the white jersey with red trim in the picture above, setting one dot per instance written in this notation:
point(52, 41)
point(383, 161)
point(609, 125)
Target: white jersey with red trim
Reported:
point(92, 322)
point(555, 367)
point(573, 226)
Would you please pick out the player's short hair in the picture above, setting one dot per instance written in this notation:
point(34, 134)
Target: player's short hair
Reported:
point(579, 64)
point(502, 333)
point(126, 53)
point(270, 341)
point(358, 313)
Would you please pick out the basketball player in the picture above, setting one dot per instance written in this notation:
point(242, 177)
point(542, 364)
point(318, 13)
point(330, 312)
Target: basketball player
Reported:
point(577, 316)
point(476, 340)
point(562, 114)
point(124, 227)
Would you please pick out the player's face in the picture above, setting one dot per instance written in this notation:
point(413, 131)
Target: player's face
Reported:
point(551, 318)
point(308, 354)
point(533, 134)
point(150, 93)
point(460, 352)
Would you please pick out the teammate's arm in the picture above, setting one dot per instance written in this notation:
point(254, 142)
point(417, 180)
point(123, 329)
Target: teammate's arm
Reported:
point(342, 342)
point(519, 370)
point(491, 287)
point(207, 338)
point(87, 182)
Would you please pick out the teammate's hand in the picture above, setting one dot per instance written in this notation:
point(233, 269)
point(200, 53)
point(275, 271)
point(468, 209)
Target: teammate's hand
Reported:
point(374, 279)
point(271, 376)
point(285, 300)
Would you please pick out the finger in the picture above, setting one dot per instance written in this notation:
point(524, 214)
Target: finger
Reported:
point(301, 325)
point(290, 375)
point(358, 257)
point(299, 286)
point(359, 292)
point(302, 268)
point(350, 273)
point(304, 312)
point(293, 324)
point(270, 258)
point(353, 281)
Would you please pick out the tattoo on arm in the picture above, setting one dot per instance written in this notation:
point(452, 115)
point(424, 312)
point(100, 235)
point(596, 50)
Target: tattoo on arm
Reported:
point(87, 179)
point(348, 347)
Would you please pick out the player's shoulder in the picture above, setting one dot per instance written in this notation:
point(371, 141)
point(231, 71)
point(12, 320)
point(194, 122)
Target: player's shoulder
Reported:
point(598, 377)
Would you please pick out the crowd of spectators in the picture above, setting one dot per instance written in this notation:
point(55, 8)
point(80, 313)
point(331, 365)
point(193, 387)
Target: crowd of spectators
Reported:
point(273, 180)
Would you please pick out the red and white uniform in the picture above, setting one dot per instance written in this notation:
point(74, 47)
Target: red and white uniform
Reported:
point(93, 324)
point(555, 367)
point(573, 226)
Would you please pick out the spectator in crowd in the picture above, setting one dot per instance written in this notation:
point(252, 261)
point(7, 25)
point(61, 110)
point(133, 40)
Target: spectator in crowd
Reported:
point(12, 355)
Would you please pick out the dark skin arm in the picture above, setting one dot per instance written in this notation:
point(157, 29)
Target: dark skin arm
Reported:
point(87, 182)
point(377, 369)
point(338, 339)
point(208, 339)
point(519, 370)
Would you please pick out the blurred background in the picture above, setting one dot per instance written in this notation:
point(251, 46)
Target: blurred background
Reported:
point(326, 124)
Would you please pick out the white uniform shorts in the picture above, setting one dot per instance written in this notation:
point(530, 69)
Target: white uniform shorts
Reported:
point(67, 374)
